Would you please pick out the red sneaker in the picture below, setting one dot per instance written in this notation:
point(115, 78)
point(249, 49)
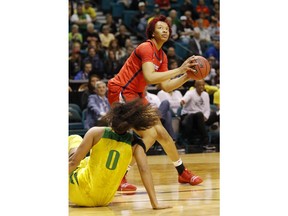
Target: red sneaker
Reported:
point(125, 186)
point(188, 177)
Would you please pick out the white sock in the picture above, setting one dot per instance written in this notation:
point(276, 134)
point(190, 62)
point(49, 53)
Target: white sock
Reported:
point(178, 162)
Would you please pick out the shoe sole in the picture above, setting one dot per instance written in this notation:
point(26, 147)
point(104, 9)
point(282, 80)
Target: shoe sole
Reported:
point(182, 182)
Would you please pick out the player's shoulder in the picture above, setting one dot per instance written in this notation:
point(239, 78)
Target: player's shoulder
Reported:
point(96, 130)
point(146, 45)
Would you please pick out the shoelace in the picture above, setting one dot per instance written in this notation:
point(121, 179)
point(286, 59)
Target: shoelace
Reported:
point(124, 185)
point(193, 178)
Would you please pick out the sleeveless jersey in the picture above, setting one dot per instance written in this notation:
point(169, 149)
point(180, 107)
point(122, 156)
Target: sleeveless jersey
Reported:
point(97, 178)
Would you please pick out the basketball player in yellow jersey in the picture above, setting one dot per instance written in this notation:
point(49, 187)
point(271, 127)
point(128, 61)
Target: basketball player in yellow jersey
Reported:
point(93, 180)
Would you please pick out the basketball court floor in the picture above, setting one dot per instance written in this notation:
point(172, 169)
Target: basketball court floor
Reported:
point(200, 200)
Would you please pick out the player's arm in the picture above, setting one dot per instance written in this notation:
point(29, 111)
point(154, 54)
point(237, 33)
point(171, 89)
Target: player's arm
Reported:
point(92, 136)
point(175, 83)
point(153, 77)
point(146, 176)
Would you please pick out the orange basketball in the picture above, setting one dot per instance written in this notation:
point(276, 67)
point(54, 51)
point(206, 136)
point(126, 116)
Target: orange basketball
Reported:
point(202, 69)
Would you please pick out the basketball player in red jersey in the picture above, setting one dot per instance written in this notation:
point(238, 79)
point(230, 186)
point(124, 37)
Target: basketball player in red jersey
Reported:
point(148, 64)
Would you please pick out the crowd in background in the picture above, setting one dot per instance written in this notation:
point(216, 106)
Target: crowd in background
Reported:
point(97, 52)
point(106, 46)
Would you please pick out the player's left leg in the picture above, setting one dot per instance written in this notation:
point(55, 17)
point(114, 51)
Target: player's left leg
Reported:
point(162, 136)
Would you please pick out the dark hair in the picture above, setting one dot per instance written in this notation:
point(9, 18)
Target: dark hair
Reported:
point(90, 76)
point(151, 26)
point(134, 114)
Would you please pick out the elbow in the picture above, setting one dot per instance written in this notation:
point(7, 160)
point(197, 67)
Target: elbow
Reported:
point(165, 88)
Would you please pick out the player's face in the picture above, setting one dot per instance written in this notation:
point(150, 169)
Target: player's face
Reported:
point(161, 31)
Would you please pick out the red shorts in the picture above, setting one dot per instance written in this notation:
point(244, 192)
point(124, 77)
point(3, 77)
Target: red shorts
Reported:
point(115, 94)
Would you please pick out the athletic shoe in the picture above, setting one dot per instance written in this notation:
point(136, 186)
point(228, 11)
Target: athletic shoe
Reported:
point(188, 177)
point(125, 186)
point(209, 147)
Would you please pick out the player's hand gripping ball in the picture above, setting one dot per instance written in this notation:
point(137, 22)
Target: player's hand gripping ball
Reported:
point(202, 69)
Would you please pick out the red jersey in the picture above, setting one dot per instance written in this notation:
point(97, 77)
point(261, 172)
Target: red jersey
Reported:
point(130, 78)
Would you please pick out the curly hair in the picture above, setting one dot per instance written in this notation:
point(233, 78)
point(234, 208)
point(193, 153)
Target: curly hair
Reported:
point(133, 114)
point(151, 26)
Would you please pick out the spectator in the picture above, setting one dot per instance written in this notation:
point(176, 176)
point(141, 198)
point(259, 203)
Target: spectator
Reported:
point(164, 5)
point(128, 43)
point(75, 47)
point(91, 35)
point(215, 9)
point(204, 37)
point(110, 23)
point(75, 62)
point(75, 35)
point(112, 65)
point(210, 78)
point(106, 36)
point(174, 33)
point(185, 31)
point(174, 17)
point(93, 78)
point(129, 50)
point(172, 64)
point(174, 97)
point(122, 35)
point(190, 20)
point(216, 99)
point(139, 22)
point(97, 62)
point(196, 114)
point(164, 108)
point(134, 4)
point(210, 89)
point(188, 6)
point(98, 106)
point(84, 74)
point(217, 77)
point(214, 29)
point(88, 9)
point(156, 12)
point(171, 55)
point(81, 19)
point(70, 13)
point(201, 7)
point(118, 51)
point(98, 48)
point(204, 21)
point(125, 3)
point(213, 50)
point(195, 44)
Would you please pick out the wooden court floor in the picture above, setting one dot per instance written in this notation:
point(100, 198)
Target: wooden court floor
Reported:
point(203, 199)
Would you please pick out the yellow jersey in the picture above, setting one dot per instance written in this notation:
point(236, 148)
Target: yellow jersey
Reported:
point(95, 181)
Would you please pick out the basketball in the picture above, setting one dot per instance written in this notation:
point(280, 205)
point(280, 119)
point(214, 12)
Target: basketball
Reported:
point(202, 69)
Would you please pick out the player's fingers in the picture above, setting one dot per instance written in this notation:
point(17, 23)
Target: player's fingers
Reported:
point(193, 63)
